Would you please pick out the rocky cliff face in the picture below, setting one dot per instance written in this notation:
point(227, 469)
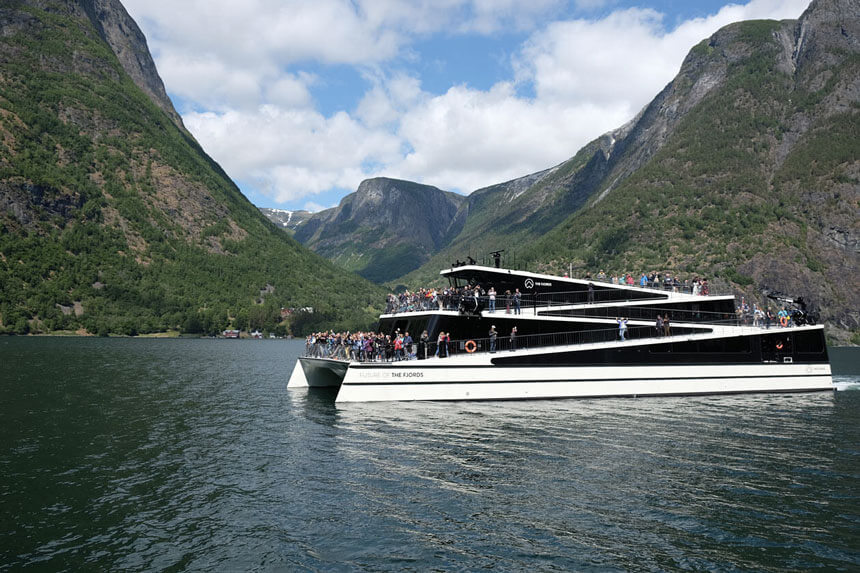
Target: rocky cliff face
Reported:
point(386, 228)
point(122, 34)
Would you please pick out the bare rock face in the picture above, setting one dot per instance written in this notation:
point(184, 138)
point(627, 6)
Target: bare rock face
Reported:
point(386, 228)
point(125, 38)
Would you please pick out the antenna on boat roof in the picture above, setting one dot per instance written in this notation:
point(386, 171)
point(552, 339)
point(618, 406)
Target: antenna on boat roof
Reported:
point(785, 299)
point(497, 258)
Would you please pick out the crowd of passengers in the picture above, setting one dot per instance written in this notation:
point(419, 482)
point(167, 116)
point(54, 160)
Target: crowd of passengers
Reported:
point(379, 347)
point(664, 281)
point(754, 315)
point(451, 298)
point(376, 347)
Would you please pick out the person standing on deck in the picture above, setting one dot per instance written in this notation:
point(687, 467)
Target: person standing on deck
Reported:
point(398, 347)
point(493, 336)
point(441, 345)
point(423, 345)
point(492, 294)
point(622, 328)
point(407, 347)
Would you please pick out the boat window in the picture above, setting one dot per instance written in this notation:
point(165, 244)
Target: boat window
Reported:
point(394, 326)
point(416, 327)
point(736, 345)
point(809, 342)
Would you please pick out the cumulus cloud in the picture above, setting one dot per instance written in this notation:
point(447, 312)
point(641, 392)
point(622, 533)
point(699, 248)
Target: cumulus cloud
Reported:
point(466, 138)
point(626, 58)
point(589, 76)
point(246, 68)
point(292, 153)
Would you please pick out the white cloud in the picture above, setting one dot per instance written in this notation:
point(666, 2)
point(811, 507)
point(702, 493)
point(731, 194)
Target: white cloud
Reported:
point(244, 68)
point(290, 91)
point(292, 153)
point(492, 15)
point(467, 139)
point(208, 82)
point(625, 58)
point(314, 207)
point(586, 5)
point(385, 103)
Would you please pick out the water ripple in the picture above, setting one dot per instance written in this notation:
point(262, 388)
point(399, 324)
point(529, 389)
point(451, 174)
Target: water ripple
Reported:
point(191, 454)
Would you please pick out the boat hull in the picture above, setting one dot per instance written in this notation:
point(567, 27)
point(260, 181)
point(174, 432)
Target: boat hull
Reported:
point(322, 372)
point(434, 381)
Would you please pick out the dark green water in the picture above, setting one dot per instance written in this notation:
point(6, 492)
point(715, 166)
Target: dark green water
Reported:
point(140, 455)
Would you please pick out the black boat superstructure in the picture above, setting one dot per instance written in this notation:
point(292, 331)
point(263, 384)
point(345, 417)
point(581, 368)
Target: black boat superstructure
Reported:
point(568, 343)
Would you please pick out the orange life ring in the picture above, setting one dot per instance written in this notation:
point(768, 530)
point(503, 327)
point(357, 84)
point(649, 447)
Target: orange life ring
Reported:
point(470, 346)
point(779, 345)
point(783, 320)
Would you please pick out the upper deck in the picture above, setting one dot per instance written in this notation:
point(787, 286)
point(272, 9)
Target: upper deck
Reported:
point(554, 290)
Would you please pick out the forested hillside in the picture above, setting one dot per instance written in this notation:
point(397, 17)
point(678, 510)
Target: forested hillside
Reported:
point(112, 218)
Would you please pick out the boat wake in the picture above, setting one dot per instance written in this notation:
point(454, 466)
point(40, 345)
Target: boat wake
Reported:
point(843, 383)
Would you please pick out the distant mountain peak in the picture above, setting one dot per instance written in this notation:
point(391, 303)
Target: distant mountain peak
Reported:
point(386, 228)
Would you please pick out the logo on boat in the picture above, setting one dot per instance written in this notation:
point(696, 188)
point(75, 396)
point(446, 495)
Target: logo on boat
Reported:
point(389, 374)
point(530, 283)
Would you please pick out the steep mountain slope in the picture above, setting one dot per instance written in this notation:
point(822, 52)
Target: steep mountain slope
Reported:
point(513, 214)
point(386, 228)
point(112, 218)
point(758, 182)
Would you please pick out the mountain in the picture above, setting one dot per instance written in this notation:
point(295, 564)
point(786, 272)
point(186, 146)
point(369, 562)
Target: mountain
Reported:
point(744, 168)
point(386, 228)
point(286, 220)
point(112, 218)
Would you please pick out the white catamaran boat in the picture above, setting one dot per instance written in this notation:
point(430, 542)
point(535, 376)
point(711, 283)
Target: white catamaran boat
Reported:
point(568, 345)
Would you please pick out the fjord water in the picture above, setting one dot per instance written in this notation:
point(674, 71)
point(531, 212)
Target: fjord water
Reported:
point(124, 454)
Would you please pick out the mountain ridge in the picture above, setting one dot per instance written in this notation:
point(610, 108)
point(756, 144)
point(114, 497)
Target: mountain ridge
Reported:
point(386, 228)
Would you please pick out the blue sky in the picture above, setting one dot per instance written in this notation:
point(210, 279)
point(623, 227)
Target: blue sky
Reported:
point(301, 100)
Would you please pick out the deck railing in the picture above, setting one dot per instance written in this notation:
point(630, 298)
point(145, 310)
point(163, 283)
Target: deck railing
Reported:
point(532, 341)
point(528, 301)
